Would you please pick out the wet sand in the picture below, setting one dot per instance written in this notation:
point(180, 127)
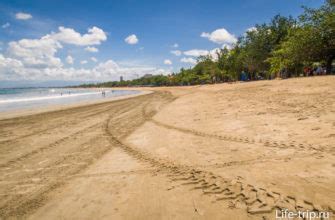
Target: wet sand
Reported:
point(226, 151)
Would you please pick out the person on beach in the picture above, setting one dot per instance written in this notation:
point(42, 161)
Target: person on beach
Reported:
point(319, 71)
point(243, 76)
point(306, 71)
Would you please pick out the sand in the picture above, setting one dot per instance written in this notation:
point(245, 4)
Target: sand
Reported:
point(225, 151)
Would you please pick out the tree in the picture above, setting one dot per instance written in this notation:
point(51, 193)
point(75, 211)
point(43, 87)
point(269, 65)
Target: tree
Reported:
point(257, 45)
point(281, 44)
point(311, 40)
point(318, 26)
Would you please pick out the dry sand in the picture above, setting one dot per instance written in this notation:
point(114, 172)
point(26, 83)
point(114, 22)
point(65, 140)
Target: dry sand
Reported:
point(226, 151)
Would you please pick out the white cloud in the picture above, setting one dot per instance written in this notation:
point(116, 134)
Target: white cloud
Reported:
point(94, 36)
point(36, 59)
point(176, 52)
point(36, 52)
point(251, 29)
point(175, 45)
point(220, 36)
point(41, 52)
point(188, 60)
point(13, 69)
point(9, 63)
point(131, 39)
point(112, 70)
point(69, 59)
point(167, 62)
point(92, 49)
point(5, 25)
point(228, 46)
point(196, 52)
point(23, 16)
point(213, 53)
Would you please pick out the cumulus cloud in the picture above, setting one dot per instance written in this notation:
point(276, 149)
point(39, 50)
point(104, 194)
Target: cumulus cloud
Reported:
point(94, 36)
point(41, 52)
point(11, 68)
point(228, 46)
point(92, 49)
point(214, 53)
point(5, 25)
point(36, 59)
point(167, 62)
point(36, 52)
point(131, 39)
point(9, 63)
point(111, 69)
point(69, 59)
point(220, 36)
point(23, 16)
point(188, 60)
point(14, 69)
point(175, 45)
point(176, 52)
point(196, 53)
point(251, 29)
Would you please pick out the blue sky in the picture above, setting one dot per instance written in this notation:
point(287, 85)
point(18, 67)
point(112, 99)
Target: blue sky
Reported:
point(158, 26)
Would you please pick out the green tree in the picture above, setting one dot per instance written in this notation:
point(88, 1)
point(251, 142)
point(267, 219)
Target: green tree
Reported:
point(258, 44)
point(311, 40)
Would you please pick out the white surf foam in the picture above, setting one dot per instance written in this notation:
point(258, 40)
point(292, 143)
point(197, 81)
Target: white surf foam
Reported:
point(46, 97)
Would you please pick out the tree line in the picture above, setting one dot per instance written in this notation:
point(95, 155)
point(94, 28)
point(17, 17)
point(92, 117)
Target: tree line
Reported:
point(284, 47)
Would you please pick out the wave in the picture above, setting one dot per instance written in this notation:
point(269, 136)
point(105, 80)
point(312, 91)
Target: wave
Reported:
point(46, 97)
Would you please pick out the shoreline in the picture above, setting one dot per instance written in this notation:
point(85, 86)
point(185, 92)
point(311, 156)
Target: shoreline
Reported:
point(142, 91)
point(58, 107)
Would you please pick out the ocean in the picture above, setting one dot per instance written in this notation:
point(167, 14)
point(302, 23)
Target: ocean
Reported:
point(30, 98)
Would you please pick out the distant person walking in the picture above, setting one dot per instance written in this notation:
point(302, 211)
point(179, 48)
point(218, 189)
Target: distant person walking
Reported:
point(307, 71)
point(319, 71)
point(244, 76)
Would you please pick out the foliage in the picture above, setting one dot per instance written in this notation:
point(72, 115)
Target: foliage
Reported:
point(283, 44)
point(312, 40)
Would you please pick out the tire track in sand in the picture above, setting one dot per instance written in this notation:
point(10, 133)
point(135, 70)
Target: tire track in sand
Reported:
point(17, 204)
point(257, 200)
point(61, 124)
point(247, 140)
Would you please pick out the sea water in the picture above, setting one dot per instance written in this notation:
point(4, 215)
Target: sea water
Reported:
point(30, 98)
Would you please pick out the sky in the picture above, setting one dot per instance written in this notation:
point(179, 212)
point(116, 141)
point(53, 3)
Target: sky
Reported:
point(58, 42)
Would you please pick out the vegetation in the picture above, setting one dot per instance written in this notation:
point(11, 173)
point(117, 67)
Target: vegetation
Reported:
point(282, 45)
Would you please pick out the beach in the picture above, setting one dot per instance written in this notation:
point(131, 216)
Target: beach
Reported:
point(222, 151)
point(16, 100)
